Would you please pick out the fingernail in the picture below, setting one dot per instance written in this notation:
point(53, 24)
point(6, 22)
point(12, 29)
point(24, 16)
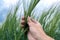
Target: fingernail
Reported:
point(28, 16)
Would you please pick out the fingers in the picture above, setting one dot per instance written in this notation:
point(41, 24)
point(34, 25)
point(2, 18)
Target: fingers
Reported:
point(29, 20)
point(23, 18)
point(23, 22)
point(34, 21)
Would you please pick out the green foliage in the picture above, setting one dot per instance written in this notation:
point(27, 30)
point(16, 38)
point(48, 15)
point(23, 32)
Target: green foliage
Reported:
point(28, 13)
point(50, 21)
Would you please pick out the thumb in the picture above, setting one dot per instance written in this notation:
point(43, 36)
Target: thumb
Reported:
point(29, 19)
point(34, 21)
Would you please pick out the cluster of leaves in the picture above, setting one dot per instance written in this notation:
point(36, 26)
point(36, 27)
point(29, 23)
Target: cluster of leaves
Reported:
point(11, 29)
point(28, 13)
point(50, 21)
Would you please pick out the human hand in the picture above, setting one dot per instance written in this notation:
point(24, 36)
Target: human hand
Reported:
point(35, 30)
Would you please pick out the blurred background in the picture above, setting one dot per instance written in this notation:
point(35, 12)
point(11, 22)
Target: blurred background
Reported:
point(5, 5)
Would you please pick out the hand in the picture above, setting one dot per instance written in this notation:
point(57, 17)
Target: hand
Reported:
point(30, 37)
point(35, 30)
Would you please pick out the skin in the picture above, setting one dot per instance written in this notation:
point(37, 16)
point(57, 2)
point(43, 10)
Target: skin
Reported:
point(35, 30)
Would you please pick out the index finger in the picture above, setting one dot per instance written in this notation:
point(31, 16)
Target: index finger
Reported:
point(23, 18)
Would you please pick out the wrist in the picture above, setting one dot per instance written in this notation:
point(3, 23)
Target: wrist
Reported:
point(44, 37)
point(48, 37)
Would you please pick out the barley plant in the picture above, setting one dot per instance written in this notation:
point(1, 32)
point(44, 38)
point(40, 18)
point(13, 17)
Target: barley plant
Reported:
point(50, 20)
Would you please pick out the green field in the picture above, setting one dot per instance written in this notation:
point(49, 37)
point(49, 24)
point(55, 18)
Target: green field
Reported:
point(50, 21)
